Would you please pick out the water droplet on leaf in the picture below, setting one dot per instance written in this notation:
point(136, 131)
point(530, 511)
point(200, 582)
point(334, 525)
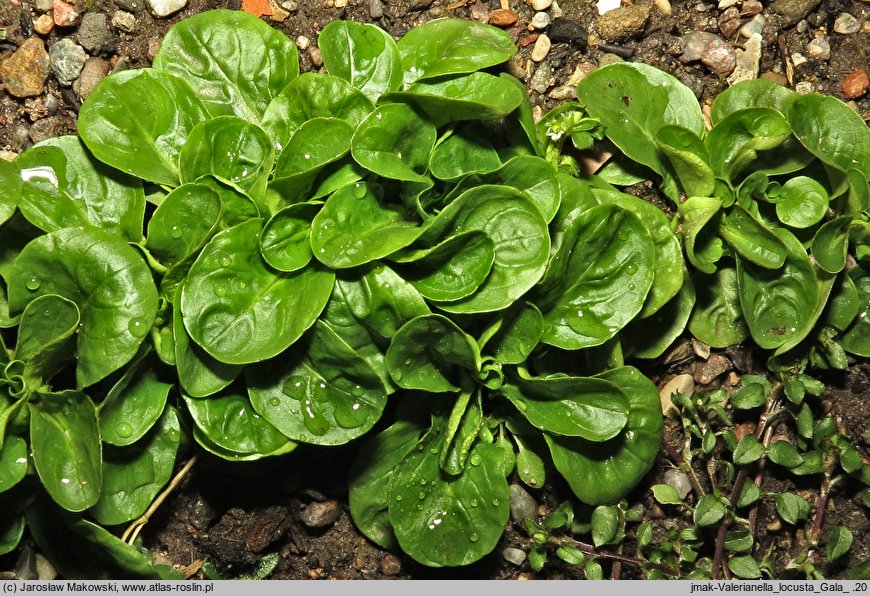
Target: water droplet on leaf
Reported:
point(32, 284)
point(124, 430)
point(137, 327)
point(175, 232)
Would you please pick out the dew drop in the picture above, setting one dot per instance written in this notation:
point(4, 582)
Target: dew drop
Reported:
point(496, 502)
point(422, 482)
point(32, 284)
point(360, 190)
point(398, 497)
point(407, 362)
point(295, 387)
point(419, 507)
point(137, 327)
point(475, 460)
point(580, 313)
point(475, 502)
point(421, 496)
point(631, 268)
point(274, 402)
point(241, 285)
point(124, 430)
point(64, 480)
point(631, 287)
point(474, 536)
point(21, 460)
point(220, 291)
point(175, 232)
point(226, 261)
point(307, 156)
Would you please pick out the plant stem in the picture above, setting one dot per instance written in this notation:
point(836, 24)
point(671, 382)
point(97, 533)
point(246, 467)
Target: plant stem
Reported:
point(619, 557)
point(684, 467)
point(132, 531)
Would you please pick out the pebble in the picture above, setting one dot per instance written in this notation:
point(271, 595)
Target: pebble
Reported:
point(793, 10)
point(523, 505)
point(44, 5)
point(65, 15)
point(67, 60)
point(797, 59)
point(124, 21)
point(541, 48)
point(541, 80)
point(846, 24)
point(540, 5)
point(706, 372)
point(856, 84)
point(44, 24)
point(153, 47)
point(567, 31)
point(753, 27)
point(341, 3)
point(302, 42)
point(555, 10)
point(501, 17)
point(320, 515)
point(279, 15)
point(540, 20)
point(391, 565)
point(725, 4)
point(20, 138)
point(376, 9)
point(729, 22)
point(608, 58)
point(290, 6)
point(94, 71)
point(514, 556)
point(94, 34)
point(802, 26)
point(605, 6)
point(563, 93)
point(25, 71)
point(748, 60)
point(130, 5)
point(623, 22)
point(719, 57)
point(683, 384)
point(750, 7)
point(679, 481)
point(694, 44)
point(819, 49)
point(316, 56)
point(516, 68)
point(7, 155)
point(164, 8)
point(816, 19)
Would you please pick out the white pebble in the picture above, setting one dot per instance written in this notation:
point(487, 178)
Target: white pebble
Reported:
point(541, 20)
point(540, 5)
point(542, 48)
point(804, 87)
point(302, 42)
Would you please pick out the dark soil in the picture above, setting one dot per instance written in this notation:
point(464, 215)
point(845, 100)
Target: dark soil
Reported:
point(231, 516)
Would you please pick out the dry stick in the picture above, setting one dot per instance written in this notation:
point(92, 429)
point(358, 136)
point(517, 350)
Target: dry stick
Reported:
point(605, 554)
point(684, 467)
point(132, 532)
point(762, 434)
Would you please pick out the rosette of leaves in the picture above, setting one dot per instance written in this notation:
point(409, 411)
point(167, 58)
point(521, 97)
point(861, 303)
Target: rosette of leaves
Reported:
point(772, 205)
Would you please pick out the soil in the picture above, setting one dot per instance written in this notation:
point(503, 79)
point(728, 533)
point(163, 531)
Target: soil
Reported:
point(232, 516)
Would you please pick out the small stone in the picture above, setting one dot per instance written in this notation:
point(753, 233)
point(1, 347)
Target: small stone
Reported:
point(124, 21)
point(750, 7)
point(164, 8)
point(376, 9)
point(320, 515)
point(694, 44)
point(67, 60)
point(816, 19)
point(605, 6)
point(539, 5)
point(779, 79)
point(802, 26)
point(797, 59)
point(94, 34)
point(563, 93)
point(523, 505)
point(683, 384)
point(748, 60)
point(340, 4)
point(516, 68)
point(541, 48)
point(846, 24)
point(20, 138)
point(753, 27)
point(94, 71)
point(719, 57)
point(624, 22)
point(44, 24)
point(7, 155)
point(555, 10)
point(855, 84)
point(819, 49)
point(793, 10)
point(153, 47)
point(514, 556)
point(25, 71)
point(679, 481)
point(279, 15)
point(567, 31)
point(290, 5)
point(316, 56)
point(391, 565)
point(664, 6)
point(44, 5)
point(607, 58)
point(729, 22)
point(540, 20)
point(725, 4)
point(502, 17)
point(542, 79)
point(775, 525)
point(302, 42)
point(707, 372)
point(65, 14)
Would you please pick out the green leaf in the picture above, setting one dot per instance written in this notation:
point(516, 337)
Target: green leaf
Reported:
point(831, 244)
point(688, 157)
point(45, 336)
point(650, 337)
point(717, 319)
point(784, 454)
point(285, 242)
point(148, 146)
point(238, 309)
point(856, 340)
point(13, 462)
point(322, 392)
point(605, 523)
point(594, 409)
point(709, 510)
point(10, 179)
point(703, 247)
point(598, 279)
point(666, 494)
point(530, 466)
point(750, 395)
point(861, 570)
point(186, 219)
point(757, 93)
point(11, 531)
point(362, 54)
point(748, 450)
point(744, 567)
point(463, 427)
point(65, 443)
point(593, 570)
point(749, 494)
point(132, 476)
point(463, 153)
point(430, 353)
point(604, 472)
point(792, 508)
point(233, 60)
point(107, 280)
point(452, 46)
point(802, 202)
point(519, 331)
point(571, 554)
point(355, 227)
point(133, 405)
point(395, 141)
point(735, 142)
point(738, 541)
point(839, 543)
point(752, 239)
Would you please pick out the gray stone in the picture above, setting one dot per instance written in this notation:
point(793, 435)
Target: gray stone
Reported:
point(541, 20)
point(678, 481)
point(320, 515)
point(793, 10)
point(542, 48)
point(67, 60)
point(819, 49)
point(124, 21)
point(514, 556)
point(563, 93)
point(523, 505)
point(694, 44)
point(816, 19)
point(566, 30)
point(94, 34)
point(44, 5)
point(846, 24)
point(624, 22)
point(94, 71)
point(130, 5)
point(164, 8)
point(753, 27)
point(804, 87)
point(376, 9)
point(541, 79)
point(748, 61)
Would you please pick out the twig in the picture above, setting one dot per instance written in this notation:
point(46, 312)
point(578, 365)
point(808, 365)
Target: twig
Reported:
point(591, 550)
point(684, 467)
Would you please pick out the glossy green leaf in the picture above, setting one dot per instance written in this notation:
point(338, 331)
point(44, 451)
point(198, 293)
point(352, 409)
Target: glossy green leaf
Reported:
point(285, 242)
point(650, 337)
point(395, 141)
point(451, 270)
point(709, 510)
point(749, 495)
point(598, 280)
point(13, 462)
point(757, 93)
point(463, 427)
point(11, 531)
point(46, 336)
point(832, 131)
point(132, 476)
point(182, 224)
point(166, 111)
point(792, 508)
point(60, 173)
point(750, 395)
point(856, 340)
point(752, 239)
point(238, 309)
point(530, 467)
point(520, 329)
point(717, 319)
point(666, 494)
point(605, 523)
point(702, 247)
point(604, 472)
point(107, 280)
point(133, 405)
point(802, 202)
point(744, 567)
point(310, 96)
point(688, 157)
point(10, 181)
point(738, 541)
point(461, 154)
point(784, 454)
point(231, 149)
point(322, 393)
point(452, 46)
point(587, 407)
point(65, 443)
point(362, 54)
point(233, 60)
point(735, 142)
point(839, 542)
point(355, 227)
point(430, 353)
point(831, 243)
point(748, 450)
